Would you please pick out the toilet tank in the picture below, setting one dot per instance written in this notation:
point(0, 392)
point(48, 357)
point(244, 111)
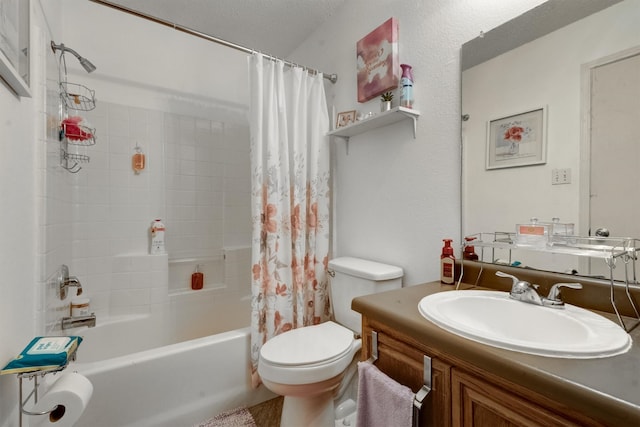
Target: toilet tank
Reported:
point(354, 277)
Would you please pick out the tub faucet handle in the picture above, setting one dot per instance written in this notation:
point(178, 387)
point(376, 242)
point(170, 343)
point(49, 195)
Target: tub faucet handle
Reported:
point(65, 281)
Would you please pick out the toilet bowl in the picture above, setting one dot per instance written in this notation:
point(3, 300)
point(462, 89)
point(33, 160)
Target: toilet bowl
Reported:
point(307, 365)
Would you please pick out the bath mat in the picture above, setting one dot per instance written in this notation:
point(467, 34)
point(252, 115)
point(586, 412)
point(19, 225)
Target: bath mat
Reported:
point(239, 417)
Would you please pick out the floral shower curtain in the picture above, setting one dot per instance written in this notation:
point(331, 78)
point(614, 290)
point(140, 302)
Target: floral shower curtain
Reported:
point(290, 201)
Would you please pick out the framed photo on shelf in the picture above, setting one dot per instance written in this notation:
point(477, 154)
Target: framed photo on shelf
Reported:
point(517, 140)
point(345, 118)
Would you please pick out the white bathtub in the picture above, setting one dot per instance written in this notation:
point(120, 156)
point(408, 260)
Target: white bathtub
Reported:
point(171, 385)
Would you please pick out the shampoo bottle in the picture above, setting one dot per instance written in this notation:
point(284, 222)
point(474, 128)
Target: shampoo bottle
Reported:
point(157, 238)
point(447, 263)
point(197, 279)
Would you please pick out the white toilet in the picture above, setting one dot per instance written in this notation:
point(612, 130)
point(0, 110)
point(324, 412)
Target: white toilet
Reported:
point(307, 365)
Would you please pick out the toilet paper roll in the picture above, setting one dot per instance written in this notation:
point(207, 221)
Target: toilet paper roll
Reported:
point(70, 395)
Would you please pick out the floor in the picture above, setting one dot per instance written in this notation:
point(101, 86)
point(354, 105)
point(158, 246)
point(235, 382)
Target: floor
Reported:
point(267, 414)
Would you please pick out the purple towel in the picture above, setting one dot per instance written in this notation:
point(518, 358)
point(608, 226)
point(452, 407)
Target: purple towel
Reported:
point(382, 402)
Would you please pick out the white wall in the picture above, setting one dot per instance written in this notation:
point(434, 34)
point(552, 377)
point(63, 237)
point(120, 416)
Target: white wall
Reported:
point(398, 197)
point(193, 131)
point(401, 214)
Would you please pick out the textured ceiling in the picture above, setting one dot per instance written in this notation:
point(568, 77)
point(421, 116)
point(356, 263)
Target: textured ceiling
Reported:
point(274, 27)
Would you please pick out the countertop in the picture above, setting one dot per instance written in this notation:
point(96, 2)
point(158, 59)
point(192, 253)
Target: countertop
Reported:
point(605, 389)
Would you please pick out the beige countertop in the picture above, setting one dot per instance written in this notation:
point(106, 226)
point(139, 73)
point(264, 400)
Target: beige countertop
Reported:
point(606, 389)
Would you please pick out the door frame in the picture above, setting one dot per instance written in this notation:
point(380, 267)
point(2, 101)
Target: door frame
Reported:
point(586, 74)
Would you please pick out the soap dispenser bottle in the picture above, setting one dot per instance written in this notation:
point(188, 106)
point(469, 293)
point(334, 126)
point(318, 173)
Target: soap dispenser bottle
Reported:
point(447, 263)
point(469, 250)
point(197, 279)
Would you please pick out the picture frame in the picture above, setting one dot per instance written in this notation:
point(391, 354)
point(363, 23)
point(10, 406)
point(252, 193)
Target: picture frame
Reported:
point(14, 45)
point(377, 62)
point(345, 118)
point(517, 140)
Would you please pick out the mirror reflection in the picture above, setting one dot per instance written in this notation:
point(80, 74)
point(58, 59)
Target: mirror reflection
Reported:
point(583, 75)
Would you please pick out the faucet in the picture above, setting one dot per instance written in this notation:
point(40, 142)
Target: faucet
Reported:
point(78, 321)
point(526, 292)
point(65, 281)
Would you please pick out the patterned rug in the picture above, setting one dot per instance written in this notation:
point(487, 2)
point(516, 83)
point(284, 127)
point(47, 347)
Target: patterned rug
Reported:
point(239, 417)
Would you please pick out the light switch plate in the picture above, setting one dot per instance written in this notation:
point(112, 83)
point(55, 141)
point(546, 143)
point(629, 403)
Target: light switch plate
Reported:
point(561, 176)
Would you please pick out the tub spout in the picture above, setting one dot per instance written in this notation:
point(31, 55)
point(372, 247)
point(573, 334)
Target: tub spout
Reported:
point(77, 321)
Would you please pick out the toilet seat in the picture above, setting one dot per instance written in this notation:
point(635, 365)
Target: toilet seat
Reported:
point(307, 355)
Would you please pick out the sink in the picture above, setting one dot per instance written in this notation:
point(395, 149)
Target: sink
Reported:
point(493, 318)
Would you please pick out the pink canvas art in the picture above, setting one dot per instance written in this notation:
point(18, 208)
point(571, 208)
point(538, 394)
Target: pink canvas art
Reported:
point(377, 59)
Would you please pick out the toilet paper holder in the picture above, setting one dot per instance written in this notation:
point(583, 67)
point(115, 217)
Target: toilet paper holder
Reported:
point(34, 392)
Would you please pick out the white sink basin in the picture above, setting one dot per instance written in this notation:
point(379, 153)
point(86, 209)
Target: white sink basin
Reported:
point(492, 318)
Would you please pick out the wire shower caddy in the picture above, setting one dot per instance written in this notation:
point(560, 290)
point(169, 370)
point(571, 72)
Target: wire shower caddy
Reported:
point(74, 130)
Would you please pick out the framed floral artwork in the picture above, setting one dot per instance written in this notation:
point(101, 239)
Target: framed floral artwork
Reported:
point(517, 140)
point(377, 61)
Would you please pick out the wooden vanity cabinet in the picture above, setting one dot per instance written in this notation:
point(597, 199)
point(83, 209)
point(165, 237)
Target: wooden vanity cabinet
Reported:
point(403, 361)
point(463, 395)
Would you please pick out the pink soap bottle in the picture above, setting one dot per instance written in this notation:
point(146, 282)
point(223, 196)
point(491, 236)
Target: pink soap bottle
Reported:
point(447, 263)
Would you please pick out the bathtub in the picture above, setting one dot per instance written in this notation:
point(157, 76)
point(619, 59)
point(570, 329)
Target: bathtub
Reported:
point(163, 384)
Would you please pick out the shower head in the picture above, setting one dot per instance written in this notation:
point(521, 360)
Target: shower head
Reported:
point(86, 64)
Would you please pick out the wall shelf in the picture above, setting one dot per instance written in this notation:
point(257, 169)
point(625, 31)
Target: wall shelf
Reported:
point(592, 247)
point(386, 118)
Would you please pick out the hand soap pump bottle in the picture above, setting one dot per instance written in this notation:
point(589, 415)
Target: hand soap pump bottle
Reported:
point(197, 279)
point(469, 250)
point(447, 263)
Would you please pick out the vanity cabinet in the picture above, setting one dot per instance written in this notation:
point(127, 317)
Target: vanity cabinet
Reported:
point(403, 360)
point(463, 395)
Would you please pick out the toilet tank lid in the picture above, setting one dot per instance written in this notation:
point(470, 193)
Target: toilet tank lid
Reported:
point(365, 269)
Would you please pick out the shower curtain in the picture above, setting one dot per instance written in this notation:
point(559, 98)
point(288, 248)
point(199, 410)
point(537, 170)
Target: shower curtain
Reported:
point(290, 201)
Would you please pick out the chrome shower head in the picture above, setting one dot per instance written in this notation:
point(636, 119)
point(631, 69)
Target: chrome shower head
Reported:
point(86, 64)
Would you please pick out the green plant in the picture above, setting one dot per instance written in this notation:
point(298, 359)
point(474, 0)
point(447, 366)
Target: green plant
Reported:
point(387, 96)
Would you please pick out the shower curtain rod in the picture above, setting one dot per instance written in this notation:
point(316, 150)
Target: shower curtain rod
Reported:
point(331, 77)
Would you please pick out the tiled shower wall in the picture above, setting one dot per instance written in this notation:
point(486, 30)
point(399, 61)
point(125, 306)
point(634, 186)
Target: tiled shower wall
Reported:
point(97, 221)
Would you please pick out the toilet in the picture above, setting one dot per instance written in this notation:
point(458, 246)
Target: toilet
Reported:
point(308, 365)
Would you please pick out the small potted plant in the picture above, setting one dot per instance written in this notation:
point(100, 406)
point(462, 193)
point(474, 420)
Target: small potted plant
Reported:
point(386, 99)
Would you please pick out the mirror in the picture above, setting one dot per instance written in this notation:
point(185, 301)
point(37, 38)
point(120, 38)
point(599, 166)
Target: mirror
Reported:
point(541, 60)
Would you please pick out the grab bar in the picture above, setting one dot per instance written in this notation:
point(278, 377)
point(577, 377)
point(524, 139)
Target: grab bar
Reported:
point(424, 391)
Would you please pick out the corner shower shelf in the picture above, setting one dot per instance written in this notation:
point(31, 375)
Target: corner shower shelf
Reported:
point(386, 118)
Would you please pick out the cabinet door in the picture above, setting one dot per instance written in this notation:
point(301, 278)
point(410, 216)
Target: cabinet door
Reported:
point(479, 404)
point(405, 364)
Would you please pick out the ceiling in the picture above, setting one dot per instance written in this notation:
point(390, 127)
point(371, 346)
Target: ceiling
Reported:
point(274, 27)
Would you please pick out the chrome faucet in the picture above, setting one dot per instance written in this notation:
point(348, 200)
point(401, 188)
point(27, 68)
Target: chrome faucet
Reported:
point(526, 292)
point(65, 281)
point(78, 321)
